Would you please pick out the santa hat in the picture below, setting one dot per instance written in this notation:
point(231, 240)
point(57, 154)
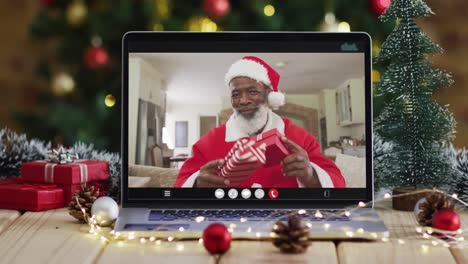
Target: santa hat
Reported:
point(257, 69)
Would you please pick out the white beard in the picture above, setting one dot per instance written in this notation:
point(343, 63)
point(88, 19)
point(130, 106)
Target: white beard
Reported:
point(254, 124)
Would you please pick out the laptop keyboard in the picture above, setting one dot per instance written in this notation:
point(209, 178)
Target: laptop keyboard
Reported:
point(250, 215)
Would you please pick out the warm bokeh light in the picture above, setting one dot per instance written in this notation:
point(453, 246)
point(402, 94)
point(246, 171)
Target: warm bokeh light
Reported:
point(269, 10)
point(344, 27)
point(375, 77)
point(109, 101)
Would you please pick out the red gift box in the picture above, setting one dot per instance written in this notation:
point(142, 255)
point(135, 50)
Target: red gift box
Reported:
point(77, 172)
point(18, 195)
point(243, 162)
point(275, 150)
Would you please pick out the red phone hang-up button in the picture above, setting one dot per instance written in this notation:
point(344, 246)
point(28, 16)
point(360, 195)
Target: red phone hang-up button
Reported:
point(273, 193)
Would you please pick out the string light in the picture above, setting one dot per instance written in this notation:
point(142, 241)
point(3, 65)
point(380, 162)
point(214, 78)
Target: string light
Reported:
point(425, 248)
point(180, 247)
point(269, 10)
point(425, 232)
point(318, 214)
point(243, 220)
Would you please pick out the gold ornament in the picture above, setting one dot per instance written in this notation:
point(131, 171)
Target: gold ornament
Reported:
point(62, 84)
point(77, 13)
point(109, 101)
point(203, 24)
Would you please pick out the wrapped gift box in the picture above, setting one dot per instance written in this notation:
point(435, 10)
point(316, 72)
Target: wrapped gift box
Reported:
point(80, 171)
point(68, 176)
point(18, 195)
point(243, 161)
point(248, 154)
point(275, 150)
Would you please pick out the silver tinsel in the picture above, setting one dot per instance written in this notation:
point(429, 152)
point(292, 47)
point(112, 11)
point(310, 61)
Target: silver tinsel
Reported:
point(459, 161)
point(16, 149)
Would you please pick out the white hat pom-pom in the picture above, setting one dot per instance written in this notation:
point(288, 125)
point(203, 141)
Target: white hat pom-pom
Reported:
point(275, 100)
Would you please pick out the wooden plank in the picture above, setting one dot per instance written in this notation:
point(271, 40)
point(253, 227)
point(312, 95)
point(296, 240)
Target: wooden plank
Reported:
point(405, 246)
point(48, 237)
point(402, 225)
point(193, 252)
point(7, 217)
point(460, 253)
point(392, 252)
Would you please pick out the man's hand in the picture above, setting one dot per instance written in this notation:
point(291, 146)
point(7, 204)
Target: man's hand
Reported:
point(297, 164)
point(208, 177)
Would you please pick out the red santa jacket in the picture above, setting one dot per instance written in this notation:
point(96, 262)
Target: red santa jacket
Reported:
point(213, 146)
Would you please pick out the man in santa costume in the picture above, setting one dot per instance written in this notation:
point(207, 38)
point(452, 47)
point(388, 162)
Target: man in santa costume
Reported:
point(254, 92)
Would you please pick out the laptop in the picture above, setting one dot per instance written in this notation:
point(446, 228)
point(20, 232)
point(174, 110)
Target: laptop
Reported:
point(191, 101)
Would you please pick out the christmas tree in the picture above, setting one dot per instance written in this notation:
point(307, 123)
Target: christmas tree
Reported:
point(417, 127)
point(80, 64)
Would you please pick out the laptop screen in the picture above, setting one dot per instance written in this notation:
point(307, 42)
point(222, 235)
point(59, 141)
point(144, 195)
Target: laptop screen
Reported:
point(247, 119)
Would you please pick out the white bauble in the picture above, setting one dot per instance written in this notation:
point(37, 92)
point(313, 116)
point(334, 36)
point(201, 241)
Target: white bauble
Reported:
point(105, 210)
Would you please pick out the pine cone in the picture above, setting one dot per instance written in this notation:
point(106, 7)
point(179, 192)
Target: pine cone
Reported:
point(85, 198)
point(434, 201)
point(292, 237)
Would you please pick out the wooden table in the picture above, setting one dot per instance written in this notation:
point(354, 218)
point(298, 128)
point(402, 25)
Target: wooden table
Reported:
point(55, 237)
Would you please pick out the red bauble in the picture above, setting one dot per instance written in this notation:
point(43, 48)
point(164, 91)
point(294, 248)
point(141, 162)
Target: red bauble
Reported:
point(447, 220)
point(216, 8)
point(216, 239)
point(379, 6)
point(96, 58)
point(46, 2)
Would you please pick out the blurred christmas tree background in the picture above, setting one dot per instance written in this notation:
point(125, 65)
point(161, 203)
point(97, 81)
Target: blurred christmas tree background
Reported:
point(80, 45)
point(60, 64)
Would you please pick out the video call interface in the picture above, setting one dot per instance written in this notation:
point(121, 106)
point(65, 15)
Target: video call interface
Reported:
point(246, 126)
